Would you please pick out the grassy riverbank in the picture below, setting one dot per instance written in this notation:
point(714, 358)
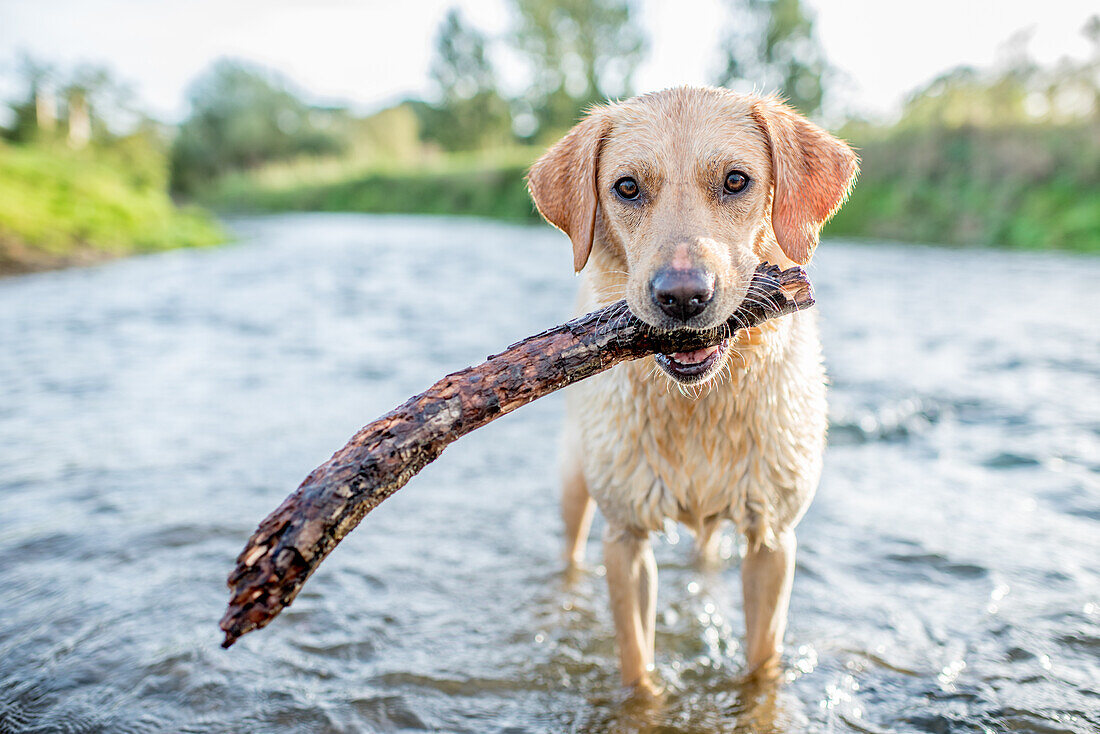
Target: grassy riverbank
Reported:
point(475, 184)
point(62, 207)
point(497, 192)
point(1035, 188)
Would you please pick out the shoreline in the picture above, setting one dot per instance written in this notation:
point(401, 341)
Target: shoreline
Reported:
point(22, 259)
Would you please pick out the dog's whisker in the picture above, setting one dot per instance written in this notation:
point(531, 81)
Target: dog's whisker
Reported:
point(764, 301)
point(621, 318)
point(610, 292)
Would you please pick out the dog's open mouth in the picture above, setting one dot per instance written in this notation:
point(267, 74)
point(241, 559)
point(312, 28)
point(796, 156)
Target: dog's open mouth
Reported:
point(691, 367)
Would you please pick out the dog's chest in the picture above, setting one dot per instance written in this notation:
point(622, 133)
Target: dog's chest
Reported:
point(747, 448)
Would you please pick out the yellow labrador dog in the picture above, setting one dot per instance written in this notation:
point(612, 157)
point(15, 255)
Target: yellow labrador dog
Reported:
point(671, 199)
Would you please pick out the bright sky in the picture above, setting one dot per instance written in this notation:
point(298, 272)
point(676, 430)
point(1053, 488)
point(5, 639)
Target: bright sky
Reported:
point(372, 52)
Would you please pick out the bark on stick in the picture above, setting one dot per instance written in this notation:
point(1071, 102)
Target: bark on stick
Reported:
point(293, 540)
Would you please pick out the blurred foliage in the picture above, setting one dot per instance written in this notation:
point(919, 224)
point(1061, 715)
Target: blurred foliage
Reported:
point(1006, 156)
point(388, 139)
point(35, 116)
point(1013, 186)
point(392, 135)
point(580, 52)
point(576, 53)
point(770, 46)
point(242, 117)
point(59, 205)
point(81, 105)
point(471, 113)
point(494, 189)
point(84, 176)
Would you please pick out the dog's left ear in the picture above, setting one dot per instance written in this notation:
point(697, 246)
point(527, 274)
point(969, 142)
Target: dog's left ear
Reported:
point(813, 172)
point(562, 183)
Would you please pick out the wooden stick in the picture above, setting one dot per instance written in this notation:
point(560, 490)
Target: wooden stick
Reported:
point(293, 540)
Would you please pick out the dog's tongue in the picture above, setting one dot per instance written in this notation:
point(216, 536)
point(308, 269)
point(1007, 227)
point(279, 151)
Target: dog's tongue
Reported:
point(694, 357)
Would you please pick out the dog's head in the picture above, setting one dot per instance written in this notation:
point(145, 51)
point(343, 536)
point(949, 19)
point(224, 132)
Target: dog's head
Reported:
point(686, 191)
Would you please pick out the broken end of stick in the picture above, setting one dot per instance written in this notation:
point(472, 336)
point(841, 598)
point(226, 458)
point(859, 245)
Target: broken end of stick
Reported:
point(793, 283)
point(243, 616)
point(240, 619)
point(269, 573)
point(801, 294)
point(232, 631)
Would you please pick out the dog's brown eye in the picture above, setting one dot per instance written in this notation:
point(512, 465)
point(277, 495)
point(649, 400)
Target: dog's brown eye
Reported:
point(627, 188)
point(736, 182)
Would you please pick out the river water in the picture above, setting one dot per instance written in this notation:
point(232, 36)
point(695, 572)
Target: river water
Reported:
point(153, 410)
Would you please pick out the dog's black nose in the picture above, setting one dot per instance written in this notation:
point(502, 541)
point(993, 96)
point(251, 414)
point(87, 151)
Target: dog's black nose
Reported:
point(682, 293)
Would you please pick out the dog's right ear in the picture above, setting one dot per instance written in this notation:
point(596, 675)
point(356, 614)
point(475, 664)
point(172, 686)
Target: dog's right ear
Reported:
point(562, 183)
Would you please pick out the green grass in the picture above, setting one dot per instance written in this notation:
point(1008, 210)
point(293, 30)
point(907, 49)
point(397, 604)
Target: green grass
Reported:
point(1035, 188)
point(59, 206)
point(485, 185)
point(498, 193)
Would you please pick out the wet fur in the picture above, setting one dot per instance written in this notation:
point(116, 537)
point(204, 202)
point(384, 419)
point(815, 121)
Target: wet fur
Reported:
point(746, 446)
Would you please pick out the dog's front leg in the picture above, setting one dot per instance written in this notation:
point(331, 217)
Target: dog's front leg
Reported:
point(576, 511)
point(632, 581)
point(766, 576)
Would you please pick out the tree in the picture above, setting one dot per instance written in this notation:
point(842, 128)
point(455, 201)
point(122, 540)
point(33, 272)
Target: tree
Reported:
point(35, 115)
point(470, 113)
point(771, 46)
point(243, 116)
point(86, 102)
point(89, 94)
point(580, 52)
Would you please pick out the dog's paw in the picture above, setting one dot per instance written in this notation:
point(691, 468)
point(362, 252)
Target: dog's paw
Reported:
point(646, 690)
